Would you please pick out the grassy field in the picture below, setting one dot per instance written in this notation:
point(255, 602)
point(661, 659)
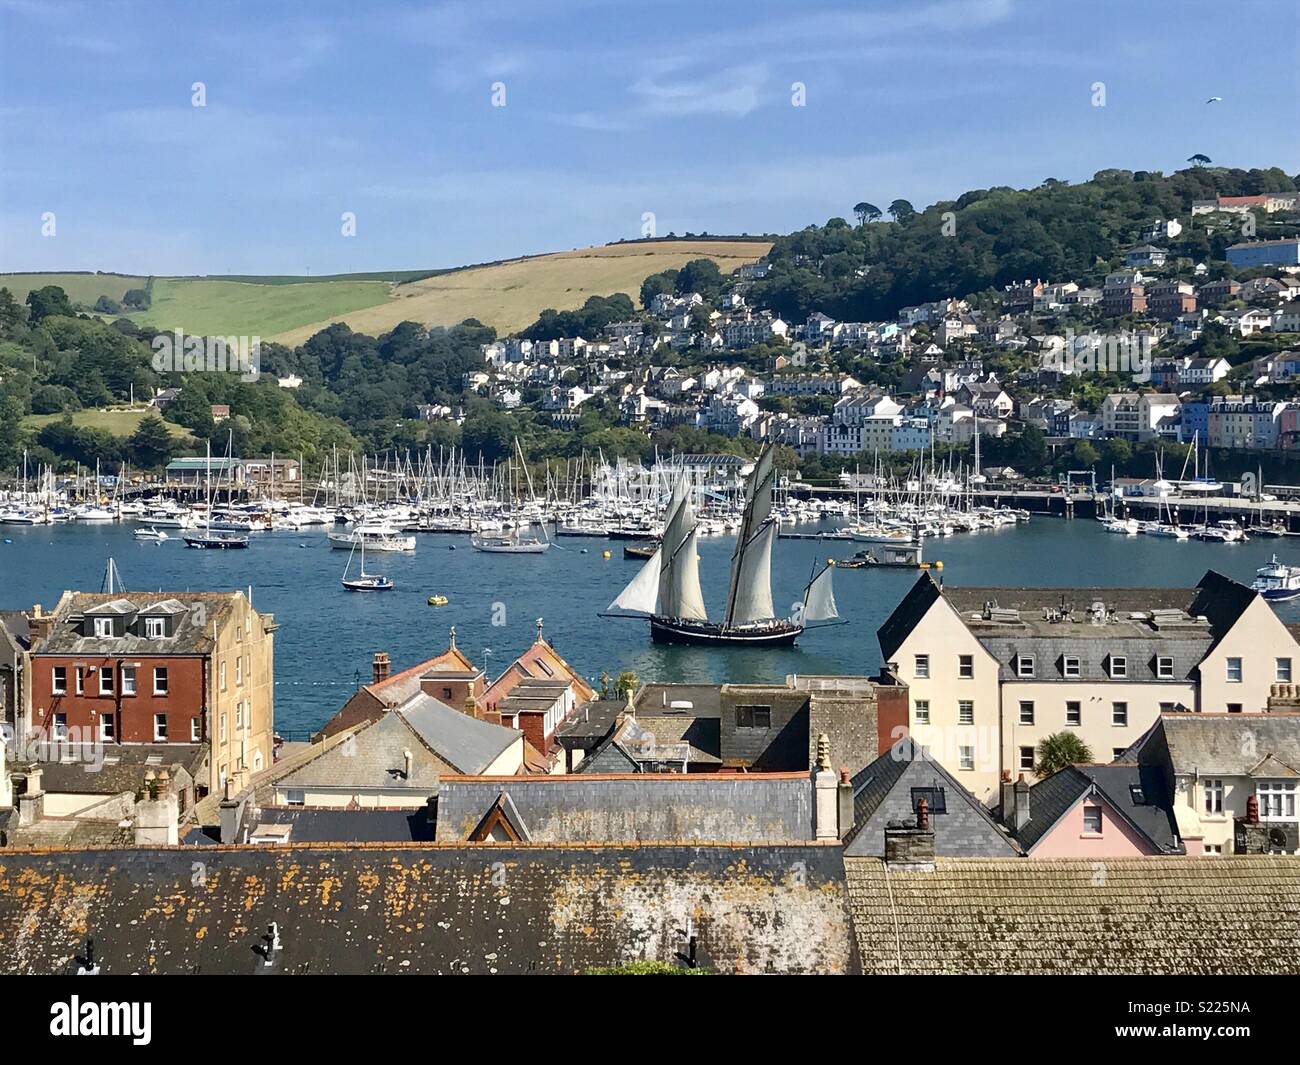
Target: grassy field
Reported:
point(118, 421)
point(507, 295)
point(81, 288)
point(205, 307)
point(510, 295)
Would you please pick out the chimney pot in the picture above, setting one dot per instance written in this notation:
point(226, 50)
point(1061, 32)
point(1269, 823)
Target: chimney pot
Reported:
point(923, 815)
point(1252, 810)
point(380, 667)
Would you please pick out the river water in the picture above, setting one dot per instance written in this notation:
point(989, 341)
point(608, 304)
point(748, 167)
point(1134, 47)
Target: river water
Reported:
point(329, 635)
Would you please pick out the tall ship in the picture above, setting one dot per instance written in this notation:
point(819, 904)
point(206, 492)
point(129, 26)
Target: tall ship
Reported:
point(667, 589)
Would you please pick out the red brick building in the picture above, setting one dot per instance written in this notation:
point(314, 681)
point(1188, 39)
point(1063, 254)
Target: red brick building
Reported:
point(149, 668)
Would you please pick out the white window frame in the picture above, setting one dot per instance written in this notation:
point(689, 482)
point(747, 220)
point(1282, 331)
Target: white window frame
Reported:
point(922, 707)
point(128, 680)
point(961, 705)
point(1165, 667)
point(966, 759)
point(921, 667)
point(1070, 666)
point(103, 627)
point(165, 687)
point(961, 666)
point(221, 671)
point(1021, 712)
point(57, 686)
point(80, 679)
point(102, 671)
point(1229, 669)
point(1078, 704)
point(1025, 666)
point(1114, 712)
point(155, 628)
point(239, 670)
point(1277, 799)
point(59, 726)
point(1119, 667)
point(194, 730)
point(160, 728)
point(1093, 809)
point(107, 728)
point(221, 728)
point(1212, 792)
point(1282, 670)
point(1023, 766)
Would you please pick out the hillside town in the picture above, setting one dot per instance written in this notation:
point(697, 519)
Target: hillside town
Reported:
point(943, 372)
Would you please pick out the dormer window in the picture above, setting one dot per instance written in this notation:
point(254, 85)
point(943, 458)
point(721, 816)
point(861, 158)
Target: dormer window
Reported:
point(103, 626)
point(1070, 665)
point(1024, 665)
point(155, 628)
point(1165, 667)
point(1118, 667)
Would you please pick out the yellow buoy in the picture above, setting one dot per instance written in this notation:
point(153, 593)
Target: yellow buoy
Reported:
point(938, 565)
point(437, 600)
point(604, 554)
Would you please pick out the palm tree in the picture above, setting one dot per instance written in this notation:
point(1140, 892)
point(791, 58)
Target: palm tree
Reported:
point(1057, 751)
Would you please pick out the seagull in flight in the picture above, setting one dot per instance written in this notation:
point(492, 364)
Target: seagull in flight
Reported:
point(1214, 99)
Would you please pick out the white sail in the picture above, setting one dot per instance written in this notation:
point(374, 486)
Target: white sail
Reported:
point(677, 526)
point(688, 596)
point(753, 598)
point(642, 591)
point(819, 598)
point(749, 596)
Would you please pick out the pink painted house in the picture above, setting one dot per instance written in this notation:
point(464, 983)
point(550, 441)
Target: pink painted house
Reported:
point(1119, 810)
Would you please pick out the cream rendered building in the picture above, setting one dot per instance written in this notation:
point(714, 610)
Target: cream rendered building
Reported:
point(1214, 763)
point(993, 671)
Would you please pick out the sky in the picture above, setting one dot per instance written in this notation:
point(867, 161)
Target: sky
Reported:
point(612, 110)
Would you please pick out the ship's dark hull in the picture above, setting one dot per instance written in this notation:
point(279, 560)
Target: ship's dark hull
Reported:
point(711, 634)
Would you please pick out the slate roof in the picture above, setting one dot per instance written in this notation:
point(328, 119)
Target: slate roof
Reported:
point(439, 738)
point(120, 767)
point(190, 636)
point(13, 626)
point(1157, 915)
point(465, 743)
point(1153, 818)
point(882, 792)
point(431, 909)
point(1231, 745)
point(589, 723)
point(1130, 629)
point(320, 824)
point(637, 807)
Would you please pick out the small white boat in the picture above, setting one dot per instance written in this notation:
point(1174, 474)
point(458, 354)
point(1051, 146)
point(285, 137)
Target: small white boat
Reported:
point(1222, 532)
point(509, 545)
point(1121, 526)
point(365, 582)
point(375, 538)
point(152, 535)
point(1277, 581)
point(1167, 532)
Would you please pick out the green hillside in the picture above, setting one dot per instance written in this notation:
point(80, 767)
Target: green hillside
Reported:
point(83, 288)
point(202, 306)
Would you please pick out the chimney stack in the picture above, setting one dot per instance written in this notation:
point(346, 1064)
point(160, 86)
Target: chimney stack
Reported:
point(826, 821)
point(845, 792)
point(1007, 797)
point(39, 624)
point(910, 845)
point(380, 667)
point(407, 759)
point(1020, 817)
